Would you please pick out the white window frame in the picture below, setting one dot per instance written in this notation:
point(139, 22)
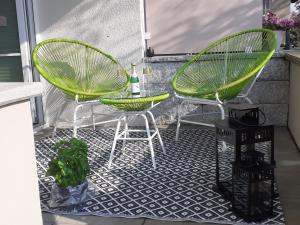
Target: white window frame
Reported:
point(27, 36)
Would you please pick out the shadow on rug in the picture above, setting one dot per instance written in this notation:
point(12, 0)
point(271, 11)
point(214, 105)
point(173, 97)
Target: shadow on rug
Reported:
point(179, 189)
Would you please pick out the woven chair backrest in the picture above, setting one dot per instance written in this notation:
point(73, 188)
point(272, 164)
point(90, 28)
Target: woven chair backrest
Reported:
point(79, 69)
point(226, 66)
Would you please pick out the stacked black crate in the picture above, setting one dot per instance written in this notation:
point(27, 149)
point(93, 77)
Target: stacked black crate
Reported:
point(245, 163)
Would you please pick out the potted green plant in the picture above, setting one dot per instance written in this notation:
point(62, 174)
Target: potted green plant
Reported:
point(69, 169)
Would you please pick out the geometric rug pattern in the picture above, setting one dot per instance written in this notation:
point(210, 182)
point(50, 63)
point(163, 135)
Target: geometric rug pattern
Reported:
point(180, 189)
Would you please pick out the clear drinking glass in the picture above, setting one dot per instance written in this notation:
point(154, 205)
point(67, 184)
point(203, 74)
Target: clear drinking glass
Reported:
point(146, 71)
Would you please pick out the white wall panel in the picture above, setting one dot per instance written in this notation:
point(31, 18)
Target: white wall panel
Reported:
point(181, 26)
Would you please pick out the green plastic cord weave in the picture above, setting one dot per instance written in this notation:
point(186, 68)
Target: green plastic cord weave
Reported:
point(134, 104)
point(226, 66)
point(77, 68)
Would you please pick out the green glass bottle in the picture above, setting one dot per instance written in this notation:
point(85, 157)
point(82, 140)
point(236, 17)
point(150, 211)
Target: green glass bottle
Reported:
point(135, 83)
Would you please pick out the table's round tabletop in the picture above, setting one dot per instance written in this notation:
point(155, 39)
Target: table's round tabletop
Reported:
point(126, 101)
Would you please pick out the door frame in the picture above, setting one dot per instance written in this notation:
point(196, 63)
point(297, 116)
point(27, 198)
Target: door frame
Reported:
point(24, 40)
point(26, 28)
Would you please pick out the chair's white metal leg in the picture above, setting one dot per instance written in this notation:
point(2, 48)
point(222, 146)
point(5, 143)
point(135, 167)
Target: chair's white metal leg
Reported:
point(224, 146)
point(75, 120)
point(222, 111)
point(125, 131)
point(149, 140)
point(248, 100)
point(59, 112)
point(178, 121)
point(114, 143)
point(54, 131)
point(93, 116)
point(158, 134)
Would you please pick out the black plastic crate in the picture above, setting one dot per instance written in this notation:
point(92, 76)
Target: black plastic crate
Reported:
point(243, 114)
point(252, 191)
point(252, 158)
point(241, 138)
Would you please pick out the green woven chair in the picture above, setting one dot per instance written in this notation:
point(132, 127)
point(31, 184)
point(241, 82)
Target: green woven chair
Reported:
point(82, 72)
point(221, 71)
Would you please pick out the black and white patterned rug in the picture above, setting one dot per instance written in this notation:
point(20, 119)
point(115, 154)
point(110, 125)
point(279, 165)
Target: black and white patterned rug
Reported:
point(179, 189)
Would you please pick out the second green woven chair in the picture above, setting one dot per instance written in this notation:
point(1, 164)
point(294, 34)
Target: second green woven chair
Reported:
point(82, 72)
point(221, 71)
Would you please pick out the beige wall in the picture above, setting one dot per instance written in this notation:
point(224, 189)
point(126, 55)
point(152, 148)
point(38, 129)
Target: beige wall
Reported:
point(294, 103)
point(281, 7)
point(180, 26)
point(20, 202)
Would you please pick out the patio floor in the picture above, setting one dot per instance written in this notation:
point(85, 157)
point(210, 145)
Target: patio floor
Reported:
point(287, 174)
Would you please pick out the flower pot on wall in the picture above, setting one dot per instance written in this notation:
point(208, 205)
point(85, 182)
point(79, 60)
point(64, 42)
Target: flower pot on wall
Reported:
point(279, 38)
point(279, 25)
point(287, 40)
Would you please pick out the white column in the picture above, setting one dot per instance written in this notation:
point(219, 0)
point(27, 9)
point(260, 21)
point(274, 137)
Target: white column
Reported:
point(20, 202)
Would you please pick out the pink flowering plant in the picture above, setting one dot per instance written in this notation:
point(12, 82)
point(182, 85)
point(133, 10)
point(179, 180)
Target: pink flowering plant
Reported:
point(273, 22)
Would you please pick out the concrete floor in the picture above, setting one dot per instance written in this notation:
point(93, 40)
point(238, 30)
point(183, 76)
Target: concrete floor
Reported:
point(287, 174)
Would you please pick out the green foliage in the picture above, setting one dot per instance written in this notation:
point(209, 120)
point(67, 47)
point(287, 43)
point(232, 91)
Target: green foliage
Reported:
point(70, 167)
